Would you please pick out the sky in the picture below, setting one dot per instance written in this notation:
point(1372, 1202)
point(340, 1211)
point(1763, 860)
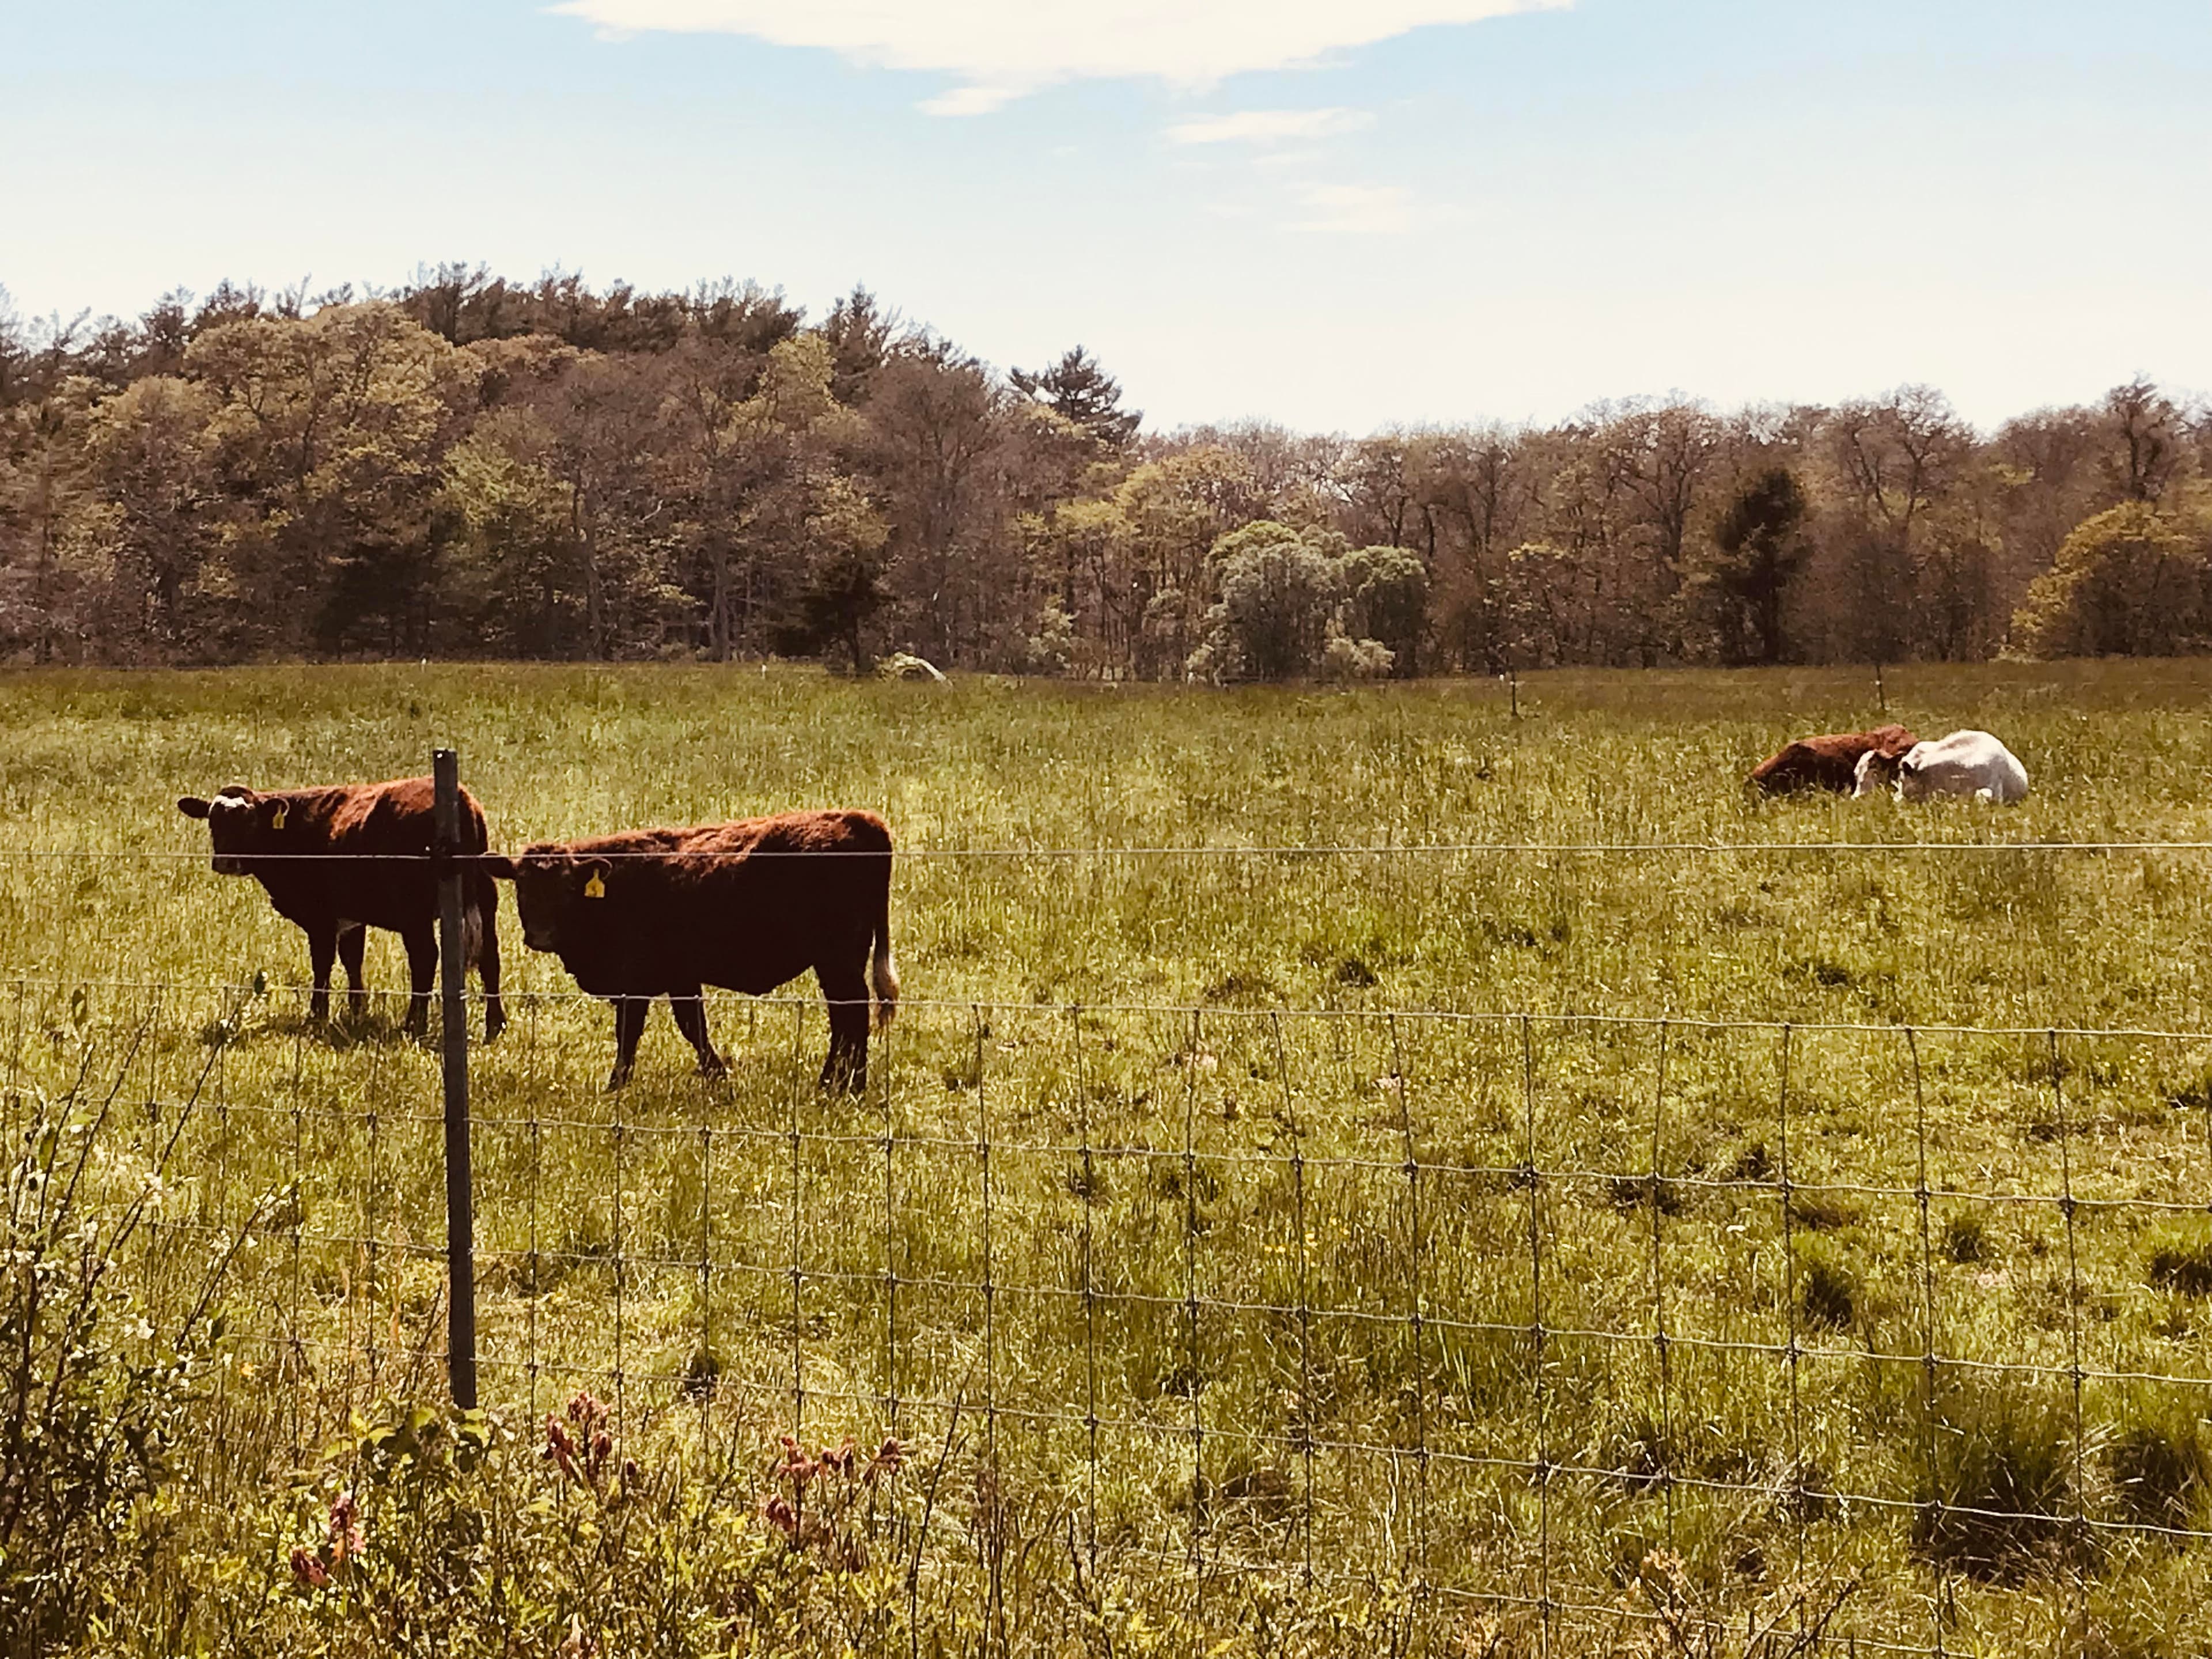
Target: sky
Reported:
point(1339, 214)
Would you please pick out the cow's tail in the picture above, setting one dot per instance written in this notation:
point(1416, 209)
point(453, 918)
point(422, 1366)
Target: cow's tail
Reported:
point(473, 927)
point(479, 919)
point(883, 969)
point(479, 892)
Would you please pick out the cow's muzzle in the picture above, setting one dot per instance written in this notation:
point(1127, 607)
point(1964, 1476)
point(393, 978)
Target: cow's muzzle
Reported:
point(229, 863)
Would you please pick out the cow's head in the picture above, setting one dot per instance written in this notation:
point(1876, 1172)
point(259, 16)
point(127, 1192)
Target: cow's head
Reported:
point(241, 822)
point(550, 881)
point(1872, 775)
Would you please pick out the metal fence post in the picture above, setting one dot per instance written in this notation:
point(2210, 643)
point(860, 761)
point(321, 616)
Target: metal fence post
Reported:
point(453, 966)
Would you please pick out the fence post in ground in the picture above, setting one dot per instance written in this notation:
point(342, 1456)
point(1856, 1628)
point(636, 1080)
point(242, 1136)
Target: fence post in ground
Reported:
point(453, 966)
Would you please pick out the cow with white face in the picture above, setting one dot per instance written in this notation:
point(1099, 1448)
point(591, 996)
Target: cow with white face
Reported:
point(1876, 771)
point(340, 860)
point(1971, 764)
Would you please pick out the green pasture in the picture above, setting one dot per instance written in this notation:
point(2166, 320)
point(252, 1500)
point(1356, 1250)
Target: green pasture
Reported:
point(1472, 1226)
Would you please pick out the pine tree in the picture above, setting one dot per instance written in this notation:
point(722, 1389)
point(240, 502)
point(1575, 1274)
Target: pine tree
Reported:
point(1080, 390)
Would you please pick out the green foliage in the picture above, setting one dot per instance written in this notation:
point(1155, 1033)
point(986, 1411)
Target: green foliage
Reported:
point(326, 434)
point(95, 1401)
point(449, 1534)
point(149, 455)
point(1052, 648)
point(1345, 659)
point(1080, 391)
point(1538, 585)
point(1759, 546)
point(1387, 594)
point(474, 467)
point(515, 568)
point(2133, 580)
point(1295, 603)
point(1279, 591)
point(842, 582)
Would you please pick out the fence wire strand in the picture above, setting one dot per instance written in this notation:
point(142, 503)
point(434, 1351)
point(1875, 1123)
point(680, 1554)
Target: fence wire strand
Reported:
point(1286, 852)
point(1048, 1238)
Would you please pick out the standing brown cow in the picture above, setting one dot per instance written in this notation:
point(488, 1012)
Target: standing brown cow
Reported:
point(1828, 761)
point(747, 906)
point(342, 859)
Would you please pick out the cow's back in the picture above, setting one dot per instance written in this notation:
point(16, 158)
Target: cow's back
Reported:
point(359, 853)
point(747, 906)
point(1967, 762)
point(1829, 761)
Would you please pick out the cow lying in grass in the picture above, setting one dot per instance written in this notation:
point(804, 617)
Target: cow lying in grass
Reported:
point(342, 859)
point(747, 907)
point(1967, 763)
point(1829, 761)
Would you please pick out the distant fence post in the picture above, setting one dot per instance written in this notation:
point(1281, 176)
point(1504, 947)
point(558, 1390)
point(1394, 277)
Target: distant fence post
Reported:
point(453, 967)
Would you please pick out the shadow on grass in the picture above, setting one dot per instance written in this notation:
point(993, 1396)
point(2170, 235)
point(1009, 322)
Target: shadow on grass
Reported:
point(345, 1031)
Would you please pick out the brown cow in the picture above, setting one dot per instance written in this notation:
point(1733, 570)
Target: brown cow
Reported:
point(1828, 761)
point(748, 906)
point(343, 860)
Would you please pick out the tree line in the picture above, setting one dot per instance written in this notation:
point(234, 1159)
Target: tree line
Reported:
point(470, 467)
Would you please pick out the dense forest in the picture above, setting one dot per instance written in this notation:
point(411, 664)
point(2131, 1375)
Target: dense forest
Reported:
point(470, 467)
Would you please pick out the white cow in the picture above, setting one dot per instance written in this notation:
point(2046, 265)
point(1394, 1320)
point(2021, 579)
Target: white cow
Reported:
point(1971, 764)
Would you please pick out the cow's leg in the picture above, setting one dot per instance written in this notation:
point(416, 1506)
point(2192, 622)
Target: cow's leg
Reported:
point(486, 910)
point(421, 943)
point(352, 944)
point(845, 988)
point(322, 951)
point(690, 1010)
point(629, 1026)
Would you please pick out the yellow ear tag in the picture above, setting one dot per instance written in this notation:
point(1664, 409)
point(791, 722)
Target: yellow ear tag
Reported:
point(595, 888)
point(277, 822)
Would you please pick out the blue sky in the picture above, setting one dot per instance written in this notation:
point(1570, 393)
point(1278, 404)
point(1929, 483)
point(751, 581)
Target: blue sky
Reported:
point(1336, 215)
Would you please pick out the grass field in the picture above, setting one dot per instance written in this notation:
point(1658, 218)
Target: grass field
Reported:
point(1262, 1213)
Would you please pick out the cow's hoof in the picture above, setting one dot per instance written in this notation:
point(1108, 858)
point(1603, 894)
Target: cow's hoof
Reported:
point(713, 1070)
point(617, 1078)
point(494, 1024)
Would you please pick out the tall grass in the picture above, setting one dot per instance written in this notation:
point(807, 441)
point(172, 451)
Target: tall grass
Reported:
point(1125, 1231)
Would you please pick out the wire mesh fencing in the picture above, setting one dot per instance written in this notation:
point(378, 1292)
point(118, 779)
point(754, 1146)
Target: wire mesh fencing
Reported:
point(1494, 1311)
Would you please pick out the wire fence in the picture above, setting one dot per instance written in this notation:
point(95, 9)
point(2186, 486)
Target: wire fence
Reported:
point(1870, 847)
point(1492, 1308)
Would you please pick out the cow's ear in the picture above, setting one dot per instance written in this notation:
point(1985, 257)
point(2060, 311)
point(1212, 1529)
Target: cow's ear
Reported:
point(193, 806)
point(596, 872)
point(497, 865)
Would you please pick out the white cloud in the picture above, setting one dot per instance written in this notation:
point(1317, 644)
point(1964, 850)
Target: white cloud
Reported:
point(970, 100)
point(1356, 210)
point(1001, 50)
point(1269, 126)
